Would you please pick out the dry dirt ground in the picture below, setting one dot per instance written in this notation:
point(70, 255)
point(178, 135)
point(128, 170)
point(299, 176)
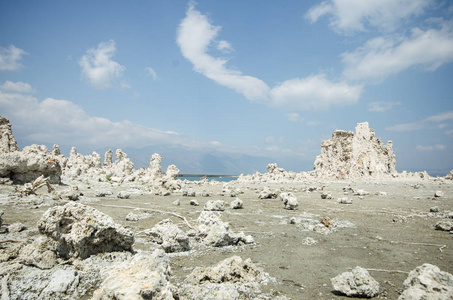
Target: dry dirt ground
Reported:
point(388, 234)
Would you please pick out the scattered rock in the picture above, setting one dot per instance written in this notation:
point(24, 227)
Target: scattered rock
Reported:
point(325, 195)
point(357, 283)
point(309, 241)
point(41, 253)
point(81, 231)
point(427, 282)
point(438, 194)
point(194, 202)
point(434, 209)
point(289, 200)
point(444, 225)
point(214, 205)
point(16, 227)
point(169, 237)
point(212, 231)
point(237, 204)
point(344, 200)
point(123, 195)
point(177, 202)
point(144, 276)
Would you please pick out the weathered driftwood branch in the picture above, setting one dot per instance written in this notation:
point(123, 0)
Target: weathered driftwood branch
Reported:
point(151, 210)
point(31, 188)
point(388, 271)
point(11, 241)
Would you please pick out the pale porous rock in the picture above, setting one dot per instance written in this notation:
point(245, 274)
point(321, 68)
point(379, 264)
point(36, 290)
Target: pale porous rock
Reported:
point(29, 164)
point(169, 237)
point(108, 158)
point(40, 253)
point(267, 193)
point(344, 200)
point(212, 231)
point(8, 142)
point(427, 282)
point(81, 231)
point(232, 278)
point(123, 195)
point(438, 194)
point(449, 176)
point(61, 282)
point(275, 174)
point(123, 166)
point(155, 168)
point(444, 225)
point(237, 204)
point(357, 283)
point(349, 155)
point(214, 205)
point(194, 202)
point(144, 276)
point(289, 201)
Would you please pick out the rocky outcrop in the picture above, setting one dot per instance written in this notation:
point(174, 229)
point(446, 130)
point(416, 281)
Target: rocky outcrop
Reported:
point(144, 276)
point(212, 231)
point(357, 283)
point(349, 155)
point(232, 278)
point(8, 142)
point(169, 237)
point(29, 164)
point(449, 176)
point(81, 231)
point(427, 282)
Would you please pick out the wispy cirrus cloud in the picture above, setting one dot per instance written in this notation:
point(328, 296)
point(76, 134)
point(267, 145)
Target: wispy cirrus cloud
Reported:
point(387, 55)
point(349, 16)
point(150, 71)
point(10, 58)
point(195, 36)
point(98, 67)
point(431, 148)
point(382, 106)
point(16, 87)
point(425, 123)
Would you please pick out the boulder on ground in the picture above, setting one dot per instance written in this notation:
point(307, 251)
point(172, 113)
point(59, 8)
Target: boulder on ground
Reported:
point(427, 282)
point(289, 200)
point(40, 253)
point(232, 269)
point(444, 225)
point(214, 205)
point(81, 231)
point(144, 276)
point(237, 204)
point(438, 194)
point(212, 231)
point(169, 237)
point(357, 283)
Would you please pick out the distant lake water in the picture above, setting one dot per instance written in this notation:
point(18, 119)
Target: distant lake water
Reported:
point(220, 178)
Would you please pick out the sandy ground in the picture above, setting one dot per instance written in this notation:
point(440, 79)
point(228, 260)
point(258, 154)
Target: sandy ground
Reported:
point(389, 235)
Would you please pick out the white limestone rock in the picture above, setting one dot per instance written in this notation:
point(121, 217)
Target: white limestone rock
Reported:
point(212, 231)
point(427, 282)
point(237, 204)
point(169, 237)
point(289, 200)
point(29, 164)
point(357, 283)
point(81, 231)
point(444, 225)
point(438, 194)
point(359, 155)
point(214, 205)
point(144, 276)
point(8, 142)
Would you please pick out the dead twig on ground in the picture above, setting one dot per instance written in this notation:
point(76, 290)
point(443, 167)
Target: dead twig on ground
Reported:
point(382, 270)
point(413, 243)
point(151, 210)
point(11, 241)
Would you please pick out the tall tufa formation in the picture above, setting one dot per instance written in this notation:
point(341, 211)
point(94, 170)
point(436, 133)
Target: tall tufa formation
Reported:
point(349, 155)
point(8, 142)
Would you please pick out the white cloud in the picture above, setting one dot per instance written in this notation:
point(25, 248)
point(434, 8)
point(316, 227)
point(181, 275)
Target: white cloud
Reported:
point(65, 123)
point(152, 73)
point(196, 34)
point(431, 148)
point(314, 92)
point(10, 58)
point(99, 68)
point(449, 132)
point(16, 87)
point(224, 46)
point(382, 106)
point(427, 122)
point(348, 16)
point(383, 56)
point(294, 117)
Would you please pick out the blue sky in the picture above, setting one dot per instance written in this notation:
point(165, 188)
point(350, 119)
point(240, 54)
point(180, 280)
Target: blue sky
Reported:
point(261, 78)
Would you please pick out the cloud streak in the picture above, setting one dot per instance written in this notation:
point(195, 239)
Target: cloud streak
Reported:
point(99, 69)
point(349, 16)
point(425, 123)
point(384, 56)
point(195, 36)
point(10, 58)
